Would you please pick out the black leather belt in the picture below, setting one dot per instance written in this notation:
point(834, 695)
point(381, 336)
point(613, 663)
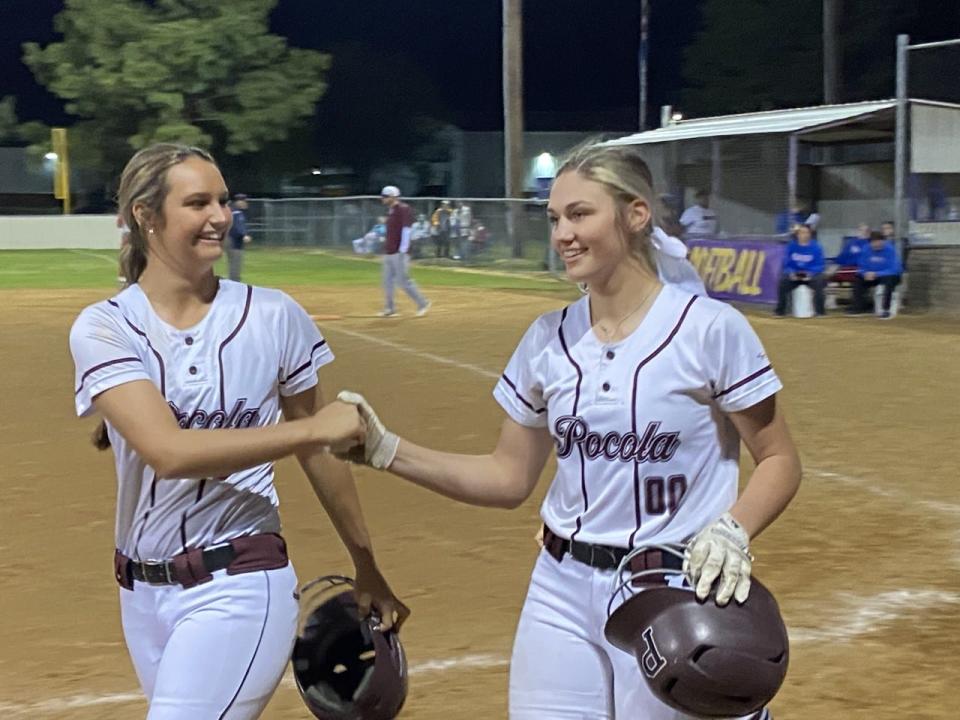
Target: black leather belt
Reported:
point(606, 557)
point(162, 572)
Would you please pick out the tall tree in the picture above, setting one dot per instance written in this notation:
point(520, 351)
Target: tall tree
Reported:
point(199, 71)
point(753, 55)
point(764, 54)
point(9, 131)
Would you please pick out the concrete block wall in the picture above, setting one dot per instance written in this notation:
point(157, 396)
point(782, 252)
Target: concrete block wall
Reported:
point(22, 232)
point(934, 280)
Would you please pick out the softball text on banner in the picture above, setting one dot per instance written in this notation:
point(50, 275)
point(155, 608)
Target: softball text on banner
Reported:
point(742, 269)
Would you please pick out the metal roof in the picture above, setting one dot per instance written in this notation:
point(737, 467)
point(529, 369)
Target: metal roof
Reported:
point(758, 123)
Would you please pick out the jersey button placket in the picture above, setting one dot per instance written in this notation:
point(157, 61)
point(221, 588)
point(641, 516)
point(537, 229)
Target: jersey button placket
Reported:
point(606, 367)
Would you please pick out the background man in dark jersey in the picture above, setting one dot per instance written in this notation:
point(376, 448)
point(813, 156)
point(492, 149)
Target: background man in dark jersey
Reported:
point(396, 259)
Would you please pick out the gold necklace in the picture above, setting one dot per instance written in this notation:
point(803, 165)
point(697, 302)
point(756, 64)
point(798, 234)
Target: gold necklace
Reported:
point(608, 334)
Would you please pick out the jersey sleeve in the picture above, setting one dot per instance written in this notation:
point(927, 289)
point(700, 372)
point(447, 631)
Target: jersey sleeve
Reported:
point(104, 356)
point(304, 350)
point(741, 374)
point(519, 391)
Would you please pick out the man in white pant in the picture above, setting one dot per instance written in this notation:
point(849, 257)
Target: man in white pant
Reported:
point(396, 249)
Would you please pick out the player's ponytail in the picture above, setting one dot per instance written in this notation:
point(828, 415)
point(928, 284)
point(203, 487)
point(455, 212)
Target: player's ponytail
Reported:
point(100, 439)
point(143, 189)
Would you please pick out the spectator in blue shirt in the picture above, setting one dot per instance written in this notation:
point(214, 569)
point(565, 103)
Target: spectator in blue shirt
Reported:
point(239, 236)
point(879, 265)
point(803, 264)
point(853, 246)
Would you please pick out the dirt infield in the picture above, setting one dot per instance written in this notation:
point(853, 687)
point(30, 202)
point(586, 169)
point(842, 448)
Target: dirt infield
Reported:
point(865, 562)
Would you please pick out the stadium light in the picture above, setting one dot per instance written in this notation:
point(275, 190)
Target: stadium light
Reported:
point(546, 165)
point(51, 156)
point(316, 171)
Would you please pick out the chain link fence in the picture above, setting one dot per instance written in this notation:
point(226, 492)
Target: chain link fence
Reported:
point(475, 231)
point(745, 177)
point(933, 180)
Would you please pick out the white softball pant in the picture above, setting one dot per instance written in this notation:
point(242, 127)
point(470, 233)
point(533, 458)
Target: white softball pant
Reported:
point(216, 651)
point(562, 666)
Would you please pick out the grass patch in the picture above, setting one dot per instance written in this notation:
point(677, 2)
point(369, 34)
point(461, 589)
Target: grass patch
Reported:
point(272, 267)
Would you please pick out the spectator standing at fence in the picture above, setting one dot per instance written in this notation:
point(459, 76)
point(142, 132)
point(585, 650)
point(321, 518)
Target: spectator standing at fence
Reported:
point(699, 219)
point(239, 237)
point(879, 265)
point(419, 235)
point(803, 264)
point(396, 261)
point(440, 223)
point(465, 228)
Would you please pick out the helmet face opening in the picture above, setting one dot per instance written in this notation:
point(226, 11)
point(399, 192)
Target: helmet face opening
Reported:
point(699, 658)
point(344, 669)
point(334, 653)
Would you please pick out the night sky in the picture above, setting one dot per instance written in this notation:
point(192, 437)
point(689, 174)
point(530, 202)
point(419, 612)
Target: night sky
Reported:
point(580, 55)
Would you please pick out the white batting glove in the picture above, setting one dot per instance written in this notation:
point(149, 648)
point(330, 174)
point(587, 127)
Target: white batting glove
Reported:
point(720, 550)
point(380, 447)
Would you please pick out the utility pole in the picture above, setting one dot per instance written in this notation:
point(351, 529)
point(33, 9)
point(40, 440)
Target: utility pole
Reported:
point(900, 216)
point(644, 50)
point(513, 112)
point(831, 51)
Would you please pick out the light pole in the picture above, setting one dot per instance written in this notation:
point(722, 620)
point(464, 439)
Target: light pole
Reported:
point(644, 49)
point(513, 112)
point(831, 51)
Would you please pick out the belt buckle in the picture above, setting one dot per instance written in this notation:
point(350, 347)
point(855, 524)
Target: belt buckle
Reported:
point(149, 572)
point(608, 554)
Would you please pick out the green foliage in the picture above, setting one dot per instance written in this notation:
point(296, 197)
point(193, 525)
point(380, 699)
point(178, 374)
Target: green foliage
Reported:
point(9, 132)
point(262, 266)
point(204, 72)
point(754, 55)
point(766, 54)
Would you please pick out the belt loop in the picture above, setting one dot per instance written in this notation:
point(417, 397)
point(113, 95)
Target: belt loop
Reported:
point(553, 544)
point(121, 570)
point(190, 568)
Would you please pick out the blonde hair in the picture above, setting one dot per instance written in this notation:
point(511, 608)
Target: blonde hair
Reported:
point(626, 176)
point(144, 182)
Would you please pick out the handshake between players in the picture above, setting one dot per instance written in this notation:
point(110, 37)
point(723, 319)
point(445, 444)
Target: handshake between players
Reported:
point(718, 556)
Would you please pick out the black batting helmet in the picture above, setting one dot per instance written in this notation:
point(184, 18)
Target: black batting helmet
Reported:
point(344, 668)
point(699, 658)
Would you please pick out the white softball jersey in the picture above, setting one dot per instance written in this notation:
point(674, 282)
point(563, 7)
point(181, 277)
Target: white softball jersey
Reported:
point(228, 371)
point(645, 450)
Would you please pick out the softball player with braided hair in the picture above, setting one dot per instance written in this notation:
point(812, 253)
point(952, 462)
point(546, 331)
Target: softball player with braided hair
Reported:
point(645, 391)
point(191, 373)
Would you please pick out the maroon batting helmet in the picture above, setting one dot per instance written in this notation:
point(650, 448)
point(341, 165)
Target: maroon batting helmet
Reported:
point(345, 669)
point(699, 658)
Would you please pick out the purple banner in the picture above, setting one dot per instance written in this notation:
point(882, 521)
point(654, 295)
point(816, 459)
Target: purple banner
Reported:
point(742, 269)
